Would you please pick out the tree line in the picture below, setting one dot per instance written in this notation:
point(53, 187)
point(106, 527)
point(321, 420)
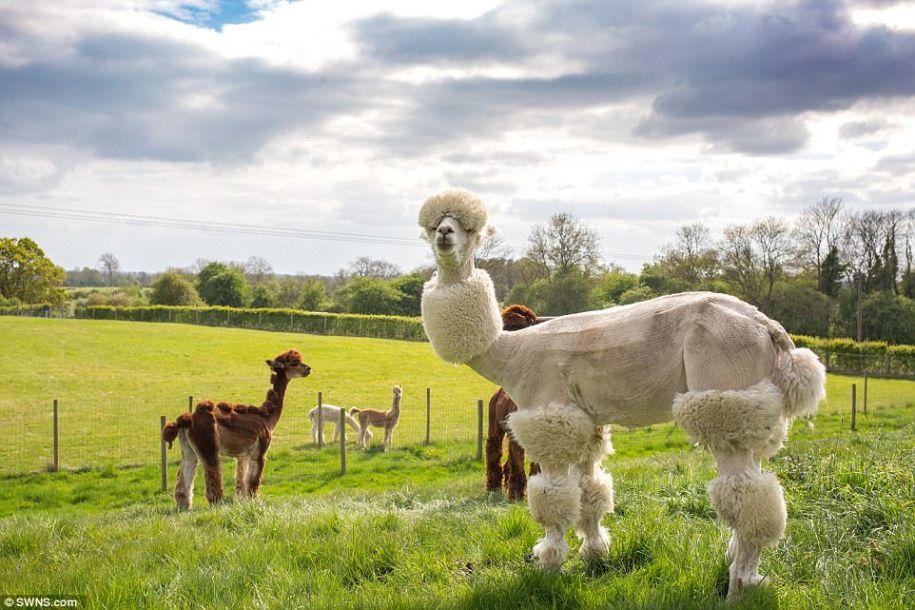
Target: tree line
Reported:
point(831, 273)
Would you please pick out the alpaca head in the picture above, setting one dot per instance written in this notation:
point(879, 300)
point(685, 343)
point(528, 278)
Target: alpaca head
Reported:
point(516, 317)
point(397, 393)
point(454, 223)
point(291, 364)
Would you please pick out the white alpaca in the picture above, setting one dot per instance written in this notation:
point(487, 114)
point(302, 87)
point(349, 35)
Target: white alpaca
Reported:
point(330, 414)
point(727, 374)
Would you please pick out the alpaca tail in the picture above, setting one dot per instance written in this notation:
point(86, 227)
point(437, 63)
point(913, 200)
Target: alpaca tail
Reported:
point(799, 374)
point(171, 429)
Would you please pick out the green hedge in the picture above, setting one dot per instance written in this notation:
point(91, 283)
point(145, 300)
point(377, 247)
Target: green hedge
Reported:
point(289, 320)
point(873, 357)
point(38, 310)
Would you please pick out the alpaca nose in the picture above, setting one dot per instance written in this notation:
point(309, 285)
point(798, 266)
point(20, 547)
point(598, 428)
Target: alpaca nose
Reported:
point(445, 230)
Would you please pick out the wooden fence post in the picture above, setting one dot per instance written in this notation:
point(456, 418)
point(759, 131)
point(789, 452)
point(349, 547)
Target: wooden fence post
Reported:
point(56, 439)
point(854, 407)
point(320, 422)
point(190, 403)
point(428, 412)
point(865, 392)
point(342, 442)
point(163, 449)
point(479, 429)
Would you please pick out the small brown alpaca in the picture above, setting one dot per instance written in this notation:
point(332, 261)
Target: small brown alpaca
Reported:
point(239, 431)
point(381, 419)
point(511, 474)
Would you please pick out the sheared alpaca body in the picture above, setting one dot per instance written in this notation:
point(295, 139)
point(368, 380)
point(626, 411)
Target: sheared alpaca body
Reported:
point(330, 414)
point(242, 432)
point(728, 375)
point(380, 419)
point(511, 474)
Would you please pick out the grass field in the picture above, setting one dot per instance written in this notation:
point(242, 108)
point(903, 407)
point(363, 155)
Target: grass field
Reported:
point(412, 528)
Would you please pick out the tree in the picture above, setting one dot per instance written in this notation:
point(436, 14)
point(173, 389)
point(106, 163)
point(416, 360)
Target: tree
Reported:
point(109, 265)
point(692, 260)
point(261, 297)
point(889, 318)
point(800, 307)
point(373, 268)
point(257, 271)
point(818, 231)
point(634, 295)
point(753, 258)
point(831, 272)
point(312, 295)
point(369, 295)
point(27, 274)
point(219, 284)
point(564, 244)
point(410, 288)
point(173, 288)
point(611, 285)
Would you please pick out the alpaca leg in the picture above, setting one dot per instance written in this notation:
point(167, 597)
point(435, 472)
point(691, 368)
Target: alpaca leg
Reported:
point(184, 488)
point(556, 436)
point(517, 481)
point(596, 498)
point(554, 502)
point(256, 473)
point(740, 427)
point(336, 432)
point(212, 473)
point(241, 477)
point(494, 453)
point(752, 504)
point(314, 432)
point(387, 439)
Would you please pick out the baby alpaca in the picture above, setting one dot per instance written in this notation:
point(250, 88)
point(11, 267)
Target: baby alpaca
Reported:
point(330, 414)
point(382, 419)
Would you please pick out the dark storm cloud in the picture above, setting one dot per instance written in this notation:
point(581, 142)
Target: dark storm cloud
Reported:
point(133, 97)
point(742, 77)
point(408, 40)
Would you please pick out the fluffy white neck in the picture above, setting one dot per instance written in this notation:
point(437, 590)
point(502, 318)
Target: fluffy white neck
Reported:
point(461, 318)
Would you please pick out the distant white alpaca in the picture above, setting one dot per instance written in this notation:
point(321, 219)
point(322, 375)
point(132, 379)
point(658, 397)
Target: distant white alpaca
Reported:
point(330, 414)
point(727, 374)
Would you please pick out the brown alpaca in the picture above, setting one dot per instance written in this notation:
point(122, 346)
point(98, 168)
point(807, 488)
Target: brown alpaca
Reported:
point(239, 431)
point(381, 419)
point(511, 474)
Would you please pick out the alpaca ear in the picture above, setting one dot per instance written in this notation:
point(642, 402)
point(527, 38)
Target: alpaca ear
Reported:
point(488, 232)
point(271, 363)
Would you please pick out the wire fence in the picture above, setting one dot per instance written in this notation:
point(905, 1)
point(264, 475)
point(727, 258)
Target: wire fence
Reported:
point(50, 434)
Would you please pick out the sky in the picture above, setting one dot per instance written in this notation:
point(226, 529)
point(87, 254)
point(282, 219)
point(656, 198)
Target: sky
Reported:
point(637, 117)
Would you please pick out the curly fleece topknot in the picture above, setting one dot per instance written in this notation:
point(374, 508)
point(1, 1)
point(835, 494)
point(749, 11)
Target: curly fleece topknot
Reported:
point(464, 207)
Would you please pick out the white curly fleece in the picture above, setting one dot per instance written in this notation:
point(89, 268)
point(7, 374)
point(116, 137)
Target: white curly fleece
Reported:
point(461, 319)
point(464, 207)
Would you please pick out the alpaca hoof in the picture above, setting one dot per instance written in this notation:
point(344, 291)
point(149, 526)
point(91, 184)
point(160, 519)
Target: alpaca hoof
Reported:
point(739, 586)
point(551, 553)
point(595, 546)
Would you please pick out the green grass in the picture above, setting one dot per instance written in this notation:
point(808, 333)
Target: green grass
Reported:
point(413, 528)
point(440, 541)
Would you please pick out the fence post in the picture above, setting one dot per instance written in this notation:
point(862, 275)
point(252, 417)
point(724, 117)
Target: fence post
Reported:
point(56, 439)
point(865, 392)
point(854, 407)
point(479, 429)
point(320, 422)
point(428, 412)
point(342, 442)
point(164, 459)
point(190, 403)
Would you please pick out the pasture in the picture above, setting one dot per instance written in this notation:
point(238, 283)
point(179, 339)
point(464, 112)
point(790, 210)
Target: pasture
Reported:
point(413, 528)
